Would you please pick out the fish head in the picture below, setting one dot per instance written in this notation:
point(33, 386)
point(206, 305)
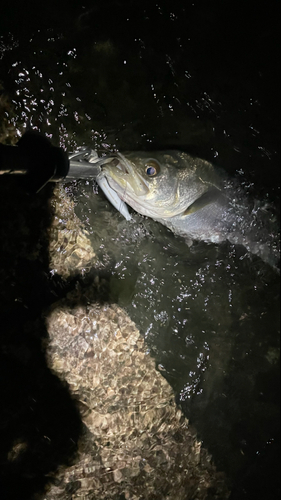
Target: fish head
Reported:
point(149, 183)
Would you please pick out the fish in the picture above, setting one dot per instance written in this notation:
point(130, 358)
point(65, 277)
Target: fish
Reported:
point(192, 197)
point(113, 197)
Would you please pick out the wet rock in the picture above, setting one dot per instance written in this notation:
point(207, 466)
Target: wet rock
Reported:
point(70, 249)
point(137, 442)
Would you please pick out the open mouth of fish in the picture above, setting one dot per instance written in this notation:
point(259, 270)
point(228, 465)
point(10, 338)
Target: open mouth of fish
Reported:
point(110, 187)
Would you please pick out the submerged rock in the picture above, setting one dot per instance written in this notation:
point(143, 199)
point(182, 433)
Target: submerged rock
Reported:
point(136, 444)
point(70, 250)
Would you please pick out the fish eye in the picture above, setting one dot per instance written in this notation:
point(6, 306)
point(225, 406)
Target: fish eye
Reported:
point(152, 168)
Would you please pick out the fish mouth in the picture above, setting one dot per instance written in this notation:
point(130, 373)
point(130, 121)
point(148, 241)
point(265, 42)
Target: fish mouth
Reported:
point(121, 166)
point(111, 168)
point(113, 196)
point(121, 183)
point(124, 178)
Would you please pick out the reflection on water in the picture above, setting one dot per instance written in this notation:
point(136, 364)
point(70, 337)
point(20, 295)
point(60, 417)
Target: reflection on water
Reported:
point(209, 315)
point(153, 77)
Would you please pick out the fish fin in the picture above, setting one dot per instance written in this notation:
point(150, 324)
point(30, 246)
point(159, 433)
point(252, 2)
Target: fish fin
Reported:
point(205, 199)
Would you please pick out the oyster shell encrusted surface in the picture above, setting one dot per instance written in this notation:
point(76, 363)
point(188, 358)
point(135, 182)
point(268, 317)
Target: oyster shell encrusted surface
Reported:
point(70, 249)
point(136, 444)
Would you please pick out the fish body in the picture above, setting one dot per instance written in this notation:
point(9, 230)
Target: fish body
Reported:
point(189, 195)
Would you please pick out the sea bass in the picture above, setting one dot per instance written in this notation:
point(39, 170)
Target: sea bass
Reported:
point(190, 196)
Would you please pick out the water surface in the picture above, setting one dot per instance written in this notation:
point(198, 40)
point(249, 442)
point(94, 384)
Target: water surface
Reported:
point(201, 79)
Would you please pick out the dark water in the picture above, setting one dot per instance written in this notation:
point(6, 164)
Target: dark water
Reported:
point(202, 78)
